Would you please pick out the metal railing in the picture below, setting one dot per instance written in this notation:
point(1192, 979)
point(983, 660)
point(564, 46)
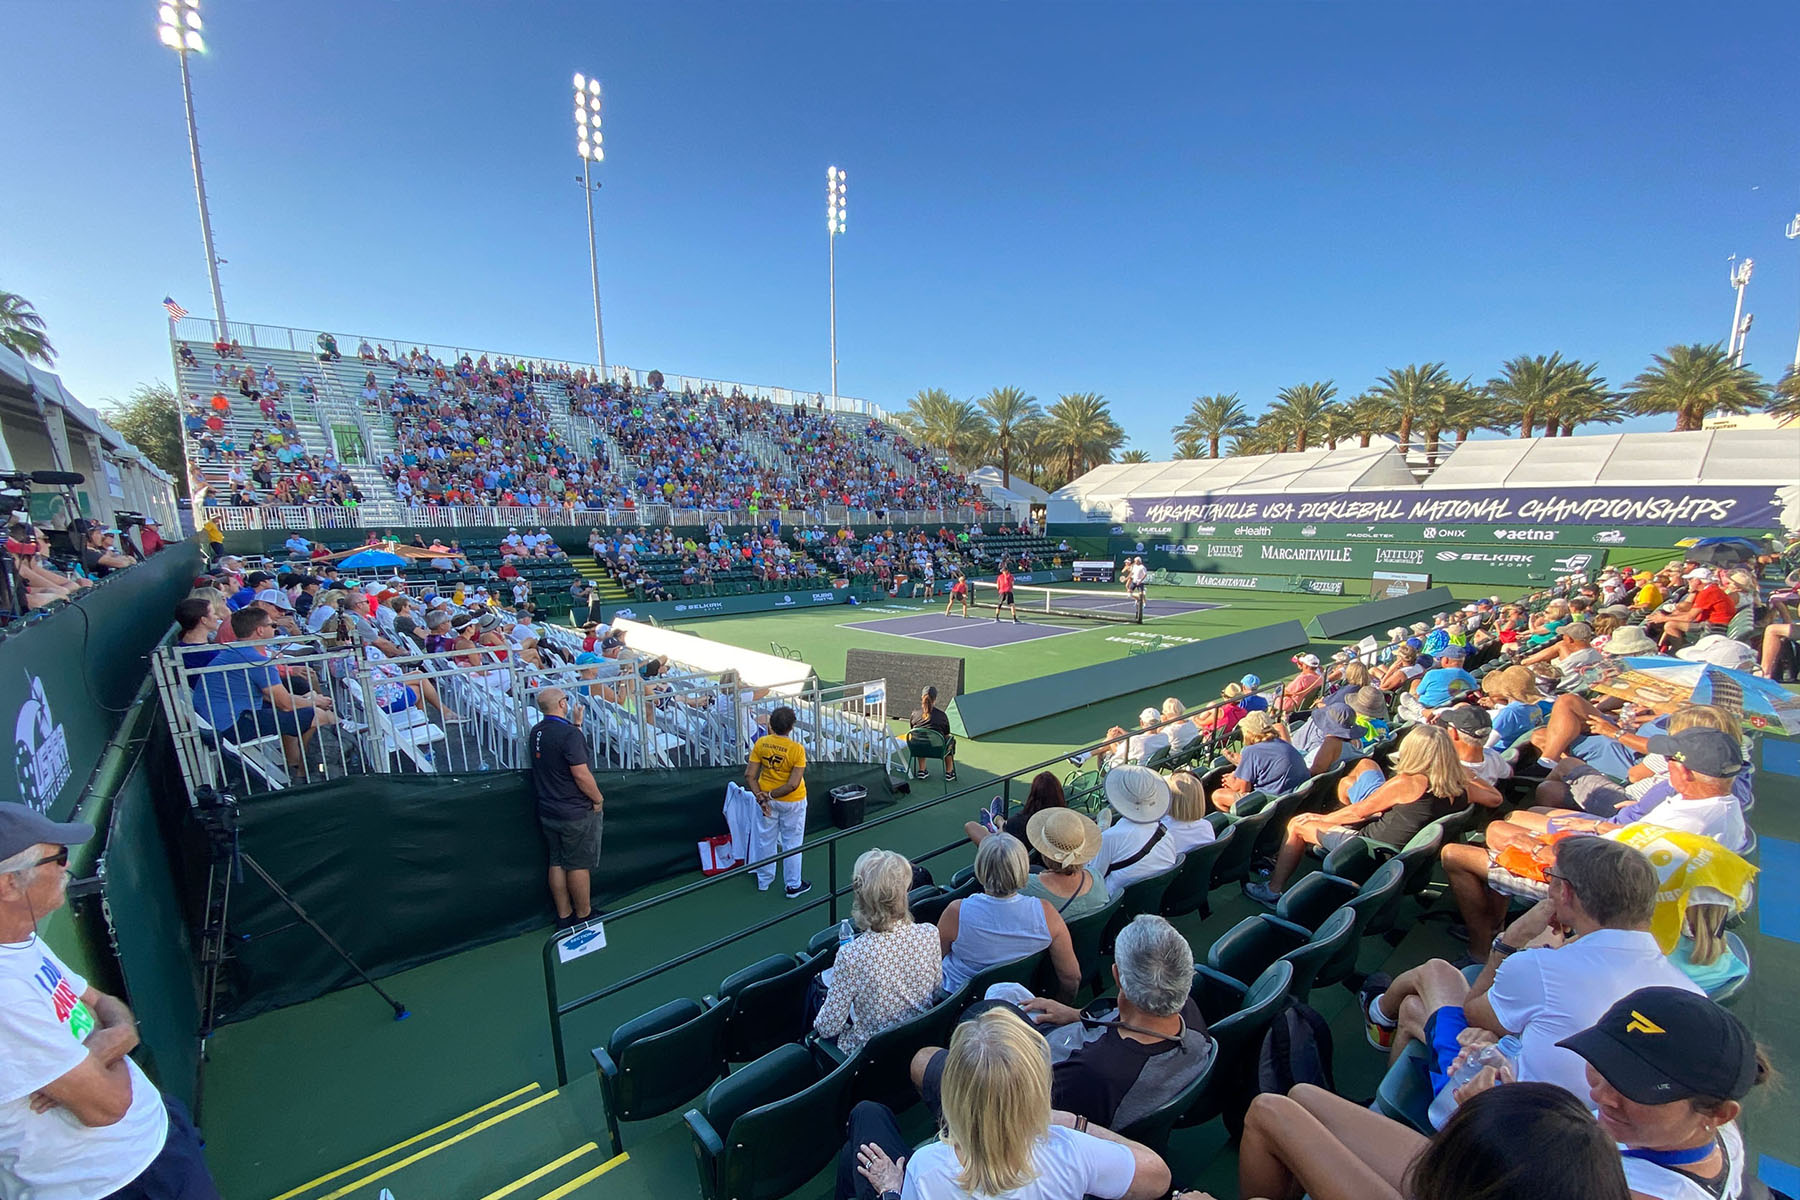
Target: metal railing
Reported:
point(361, 711)
point(280, 337)
point(378, 514)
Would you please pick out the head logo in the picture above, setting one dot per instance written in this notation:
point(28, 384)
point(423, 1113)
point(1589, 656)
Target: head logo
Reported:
point(40, 750)
point(1639, 1023)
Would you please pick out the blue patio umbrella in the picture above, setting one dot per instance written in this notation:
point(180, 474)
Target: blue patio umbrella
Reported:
point(372, 558)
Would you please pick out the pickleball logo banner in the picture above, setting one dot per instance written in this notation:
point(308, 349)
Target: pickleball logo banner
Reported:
point(1741, 507)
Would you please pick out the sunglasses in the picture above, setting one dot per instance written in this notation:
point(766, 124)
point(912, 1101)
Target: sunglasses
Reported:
point(60, 858)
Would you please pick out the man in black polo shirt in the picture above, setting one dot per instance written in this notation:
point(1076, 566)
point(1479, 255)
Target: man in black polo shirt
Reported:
point(568, 806)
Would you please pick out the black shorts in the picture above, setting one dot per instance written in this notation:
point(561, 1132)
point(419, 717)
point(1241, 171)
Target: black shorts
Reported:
point(573, 845)
point(1005, 598)
point(262, 722)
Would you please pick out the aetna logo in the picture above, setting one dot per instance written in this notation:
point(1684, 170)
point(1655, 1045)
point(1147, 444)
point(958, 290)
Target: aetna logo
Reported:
point(1525, 535)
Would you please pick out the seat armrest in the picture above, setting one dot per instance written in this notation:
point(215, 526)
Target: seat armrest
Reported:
point(1291, 927)
point(710, 1002)
point(605, 1064)
point(704, 1135)
point(825, 1053)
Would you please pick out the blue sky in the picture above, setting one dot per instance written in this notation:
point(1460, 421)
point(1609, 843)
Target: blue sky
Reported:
point(1147, 201)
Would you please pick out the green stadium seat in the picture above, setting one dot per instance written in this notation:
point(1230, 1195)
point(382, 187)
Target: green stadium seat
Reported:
point(1193, 880)
point(1257, 942)
point(1237, 1037)
point(766, 1003)
point(762, 1132)
point(659, 1061)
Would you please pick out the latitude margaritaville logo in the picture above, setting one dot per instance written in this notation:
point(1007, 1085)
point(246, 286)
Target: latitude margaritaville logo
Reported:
point(40, 750)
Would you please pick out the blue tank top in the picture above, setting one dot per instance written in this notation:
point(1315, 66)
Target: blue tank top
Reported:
point(990, 932)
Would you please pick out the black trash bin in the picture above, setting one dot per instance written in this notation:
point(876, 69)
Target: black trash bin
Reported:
point(849, 804)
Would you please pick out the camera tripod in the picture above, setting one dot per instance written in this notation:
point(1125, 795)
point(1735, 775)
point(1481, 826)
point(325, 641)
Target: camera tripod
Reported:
point(217, 812)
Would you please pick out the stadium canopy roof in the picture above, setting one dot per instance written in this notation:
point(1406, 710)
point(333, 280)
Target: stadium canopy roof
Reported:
point(989, 480)
point(1348, 467)
point(1626, 459)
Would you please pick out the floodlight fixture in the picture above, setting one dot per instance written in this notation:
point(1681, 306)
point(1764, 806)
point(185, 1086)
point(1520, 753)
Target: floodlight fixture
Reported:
point(180, 28)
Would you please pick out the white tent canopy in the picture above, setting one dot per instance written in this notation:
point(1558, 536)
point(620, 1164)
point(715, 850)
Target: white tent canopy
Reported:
point(1346, 468)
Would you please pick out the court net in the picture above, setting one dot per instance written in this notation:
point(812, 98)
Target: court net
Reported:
point(1084, 603)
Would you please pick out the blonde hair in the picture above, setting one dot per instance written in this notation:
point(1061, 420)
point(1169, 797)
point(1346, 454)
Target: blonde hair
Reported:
point(1705, 924)
point(1002, 865)
point(1407, 654)
point(879, 883)
point(1426, 750)
point(1556, 608)
point(1606, 623)
point(1257, 727)
point(996, 1101)
point(1173, 707)
point(1706, 716)
point(1356, 674)
point(1187, 797)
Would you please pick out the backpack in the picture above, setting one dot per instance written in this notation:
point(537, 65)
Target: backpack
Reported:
point(1296, 1049)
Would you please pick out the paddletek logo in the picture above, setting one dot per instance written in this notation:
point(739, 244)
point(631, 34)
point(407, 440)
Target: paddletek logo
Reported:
point(40, 750)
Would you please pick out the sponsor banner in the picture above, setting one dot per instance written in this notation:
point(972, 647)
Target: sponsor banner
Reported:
point(1736, 506)
point(720, 606)
point(1258, 583)
point(1143, 538)
point(1445, 562)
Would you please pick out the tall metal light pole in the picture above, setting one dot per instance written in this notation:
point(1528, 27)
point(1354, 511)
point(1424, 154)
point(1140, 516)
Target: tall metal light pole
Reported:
point(1793, 232)
point(179, 28)
point(587, 134)
point(1740, 279)
point(835, 187)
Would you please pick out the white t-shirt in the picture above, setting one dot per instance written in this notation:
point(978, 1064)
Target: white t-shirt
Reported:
point(1546, 995)
point(1120, 841)
point(1666, 1183)
point(51, 1155)
point(1720, 818)
point(1188, 834)
point(1069, 1165)
point(1491, 769)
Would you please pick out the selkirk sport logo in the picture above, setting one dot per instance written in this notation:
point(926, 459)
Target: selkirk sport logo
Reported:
point(40, 750)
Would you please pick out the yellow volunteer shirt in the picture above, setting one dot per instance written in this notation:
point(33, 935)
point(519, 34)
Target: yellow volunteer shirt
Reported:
point(1649, 596)
point(776, 759)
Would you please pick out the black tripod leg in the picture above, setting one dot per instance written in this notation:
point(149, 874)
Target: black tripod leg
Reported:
point(400, 1013)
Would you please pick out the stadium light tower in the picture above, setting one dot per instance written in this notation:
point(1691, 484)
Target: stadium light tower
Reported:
point(1740, 279)
point(835, 188)
point(1793, 232)
point(179, 28)
point(587, 136)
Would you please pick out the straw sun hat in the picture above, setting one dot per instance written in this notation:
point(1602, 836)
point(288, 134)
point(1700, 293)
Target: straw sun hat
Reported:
point(1063, 837)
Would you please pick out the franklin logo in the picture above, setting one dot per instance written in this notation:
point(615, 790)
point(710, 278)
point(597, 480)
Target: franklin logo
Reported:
point(1204, 530)
point(40, 750)
point(1641, 1024)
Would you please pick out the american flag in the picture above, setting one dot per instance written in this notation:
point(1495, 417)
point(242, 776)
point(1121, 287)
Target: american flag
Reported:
point(176, 312)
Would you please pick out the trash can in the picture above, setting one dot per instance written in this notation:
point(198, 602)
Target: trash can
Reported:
point(848, 805)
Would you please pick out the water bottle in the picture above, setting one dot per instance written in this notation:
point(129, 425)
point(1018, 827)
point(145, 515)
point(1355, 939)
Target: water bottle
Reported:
point(846, 933)
point(1503, 1053)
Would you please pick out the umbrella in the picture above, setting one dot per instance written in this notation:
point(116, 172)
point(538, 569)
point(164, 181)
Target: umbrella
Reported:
point(1763, 703)
point(372, 558)
point(1723, 551)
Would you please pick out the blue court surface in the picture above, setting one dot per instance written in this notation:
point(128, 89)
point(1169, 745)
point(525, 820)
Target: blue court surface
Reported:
point(979, 630)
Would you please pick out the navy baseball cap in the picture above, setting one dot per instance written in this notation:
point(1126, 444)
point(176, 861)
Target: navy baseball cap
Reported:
point(22, 827)
point(1705, 751)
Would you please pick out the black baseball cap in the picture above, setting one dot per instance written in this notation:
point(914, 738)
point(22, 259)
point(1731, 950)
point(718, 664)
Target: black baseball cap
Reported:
point(1470, 719)
point(1706, 751)
point(257, 577)
point(1662, 1044)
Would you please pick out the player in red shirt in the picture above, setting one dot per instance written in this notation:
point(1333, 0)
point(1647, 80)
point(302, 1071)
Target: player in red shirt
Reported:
point(1004, 583)
point(959, 590)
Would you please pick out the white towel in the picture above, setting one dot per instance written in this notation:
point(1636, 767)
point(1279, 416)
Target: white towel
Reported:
point(741, 818)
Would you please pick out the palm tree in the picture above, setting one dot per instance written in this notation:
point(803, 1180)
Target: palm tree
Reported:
point(1528, 387)
point(1785, 406)
point(1459, 406)
point(1410, 392)
point(1257, 439)
point(1211, 419)
point(1007, 408)
point(1189, 446)
point(1692, 381)
point(1135, 456)
point(1083, 430)
point(22, 330)
point(1366, 416)
point(1583, 399)
point(1300, 411)
point(955, 427)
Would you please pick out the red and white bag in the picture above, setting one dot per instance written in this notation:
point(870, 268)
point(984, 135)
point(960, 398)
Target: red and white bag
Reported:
point(716, 855)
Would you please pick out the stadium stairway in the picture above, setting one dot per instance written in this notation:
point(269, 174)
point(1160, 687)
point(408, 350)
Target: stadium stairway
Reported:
point(606, 589)
point(532, 1143)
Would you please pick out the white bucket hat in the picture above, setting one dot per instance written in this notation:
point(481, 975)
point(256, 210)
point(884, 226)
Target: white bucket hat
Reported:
point(1137, 794)
point(1720, 651)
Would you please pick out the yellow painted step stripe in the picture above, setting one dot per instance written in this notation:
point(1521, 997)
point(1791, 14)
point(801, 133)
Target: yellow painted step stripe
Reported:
point(584, 1180)
point(542, 1171)
point(361, 1162)
point(410, 1159)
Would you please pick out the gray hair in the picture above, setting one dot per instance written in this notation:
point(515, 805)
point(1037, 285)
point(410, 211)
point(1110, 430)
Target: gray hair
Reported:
point(21, 862)
point(1002, 865)
point(880, 882)
point(1156, 965)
